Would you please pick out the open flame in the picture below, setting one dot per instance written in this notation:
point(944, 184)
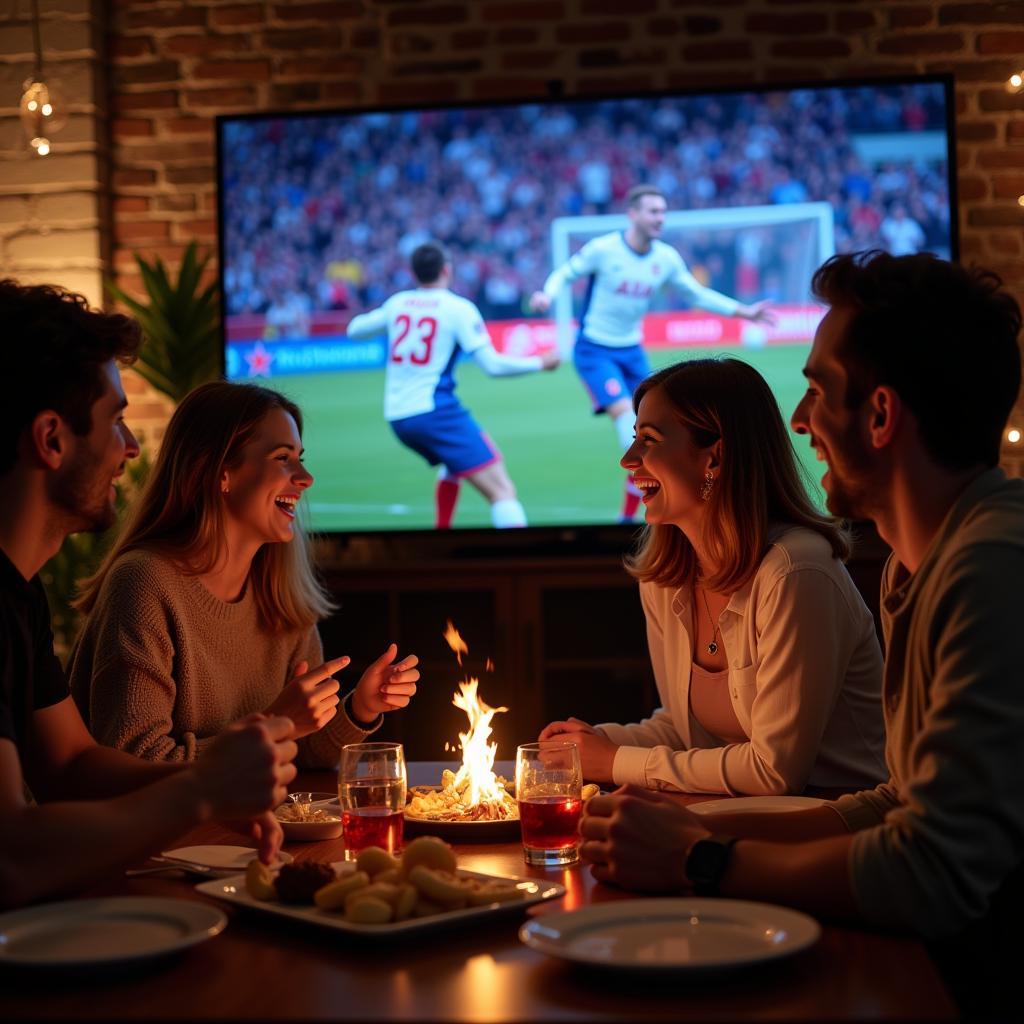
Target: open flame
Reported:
point(474, 792)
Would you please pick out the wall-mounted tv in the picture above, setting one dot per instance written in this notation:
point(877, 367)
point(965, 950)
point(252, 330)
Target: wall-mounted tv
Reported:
point(321, 213)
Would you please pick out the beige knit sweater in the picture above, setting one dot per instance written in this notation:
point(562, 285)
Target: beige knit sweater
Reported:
point(162, 666)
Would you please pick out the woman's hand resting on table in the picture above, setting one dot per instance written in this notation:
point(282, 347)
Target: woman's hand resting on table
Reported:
point(310, 698)
point(597, 752)
point(385, 686)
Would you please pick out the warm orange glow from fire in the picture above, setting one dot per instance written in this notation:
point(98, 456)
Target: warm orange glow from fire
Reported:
point(455, 642)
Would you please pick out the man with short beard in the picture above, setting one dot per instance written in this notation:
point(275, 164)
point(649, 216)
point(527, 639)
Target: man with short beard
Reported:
point(911, 377)
point(63, 443)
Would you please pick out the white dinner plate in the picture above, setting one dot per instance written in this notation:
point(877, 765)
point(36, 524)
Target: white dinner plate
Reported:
point(755, 804)
point(85, 933)
point(534, 890)
point(220, 858)
point(672, 934)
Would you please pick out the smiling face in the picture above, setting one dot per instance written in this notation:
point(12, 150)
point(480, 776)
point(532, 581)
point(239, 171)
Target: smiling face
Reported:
point(83, 487)
point(836, 432)
point(667, 465)
point(261, 491)
point(647, 216)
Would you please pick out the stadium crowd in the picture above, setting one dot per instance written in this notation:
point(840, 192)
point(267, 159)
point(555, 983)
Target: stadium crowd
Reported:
point(322, 213)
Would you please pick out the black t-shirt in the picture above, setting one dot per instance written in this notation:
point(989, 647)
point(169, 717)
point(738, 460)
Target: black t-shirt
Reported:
point(31, 677)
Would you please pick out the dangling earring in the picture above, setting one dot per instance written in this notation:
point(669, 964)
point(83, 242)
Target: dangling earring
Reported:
point(705, 488)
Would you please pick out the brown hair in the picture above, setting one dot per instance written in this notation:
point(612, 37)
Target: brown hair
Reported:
point(180, 513)
point(637, 192)
point(944, 337)
point(54, 359)
point(759, 483)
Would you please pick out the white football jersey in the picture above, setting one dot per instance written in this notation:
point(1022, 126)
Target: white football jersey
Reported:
point(426, 327)
point(622, 283)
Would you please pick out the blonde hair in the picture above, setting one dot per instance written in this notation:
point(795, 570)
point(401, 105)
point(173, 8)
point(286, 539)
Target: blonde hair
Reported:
point(180, 513)
point(759, 483)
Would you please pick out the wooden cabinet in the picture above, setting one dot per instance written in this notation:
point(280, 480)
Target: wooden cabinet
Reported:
point(563, 638)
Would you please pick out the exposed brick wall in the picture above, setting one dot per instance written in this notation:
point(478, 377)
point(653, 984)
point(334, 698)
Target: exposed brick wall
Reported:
point(174, 65)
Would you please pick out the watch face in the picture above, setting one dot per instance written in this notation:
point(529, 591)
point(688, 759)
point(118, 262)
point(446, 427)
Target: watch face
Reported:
point(707, 862)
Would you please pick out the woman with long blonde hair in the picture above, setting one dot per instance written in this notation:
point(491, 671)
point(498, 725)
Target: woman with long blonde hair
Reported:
point(205, 609)
point(764, 653)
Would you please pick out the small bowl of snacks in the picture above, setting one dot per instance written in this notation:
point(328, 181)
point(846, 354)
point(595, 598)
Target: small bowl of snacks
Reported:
point(308, 817)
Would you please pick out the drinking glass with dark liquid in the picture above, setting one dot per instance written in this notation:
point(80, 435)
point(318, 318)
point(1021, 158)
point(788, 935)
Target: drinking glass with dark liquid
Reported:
point(371, 791)
point(549, 783)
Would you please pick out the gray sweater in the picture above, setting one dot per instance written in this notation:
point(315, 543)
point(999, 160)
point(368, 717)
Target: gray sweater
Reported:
point(162, 665)
point(937, 840)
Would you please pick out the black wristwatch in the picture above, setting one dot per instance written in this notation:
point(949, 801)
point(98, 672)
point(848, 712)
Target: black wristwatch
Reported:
point(706, 863)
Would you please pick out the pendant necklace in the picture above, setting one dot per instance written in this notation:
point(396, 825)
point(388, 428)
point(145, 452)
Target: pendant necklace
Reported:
point(713, 645)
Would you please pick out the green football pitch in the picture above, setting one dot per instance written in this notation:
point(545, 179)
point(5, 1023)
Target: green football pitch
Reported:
point(563, 459)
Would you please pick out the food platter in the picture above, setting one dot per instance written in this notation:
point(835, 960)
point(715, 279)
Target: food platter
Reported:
point(501, 830)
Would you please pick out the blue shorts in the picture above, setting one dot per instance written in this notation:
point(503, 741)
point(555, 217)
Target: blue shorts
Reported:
point(448, 435)
point(609, 373)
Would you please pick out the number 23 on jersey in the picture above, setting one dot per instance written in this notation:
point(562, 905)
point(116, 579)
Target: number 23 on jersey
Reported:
point(413, 339)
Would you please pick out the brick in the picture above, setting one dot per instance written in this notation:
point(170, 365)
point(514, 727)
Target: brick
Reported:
point(309, 66)
point(616, 6)
point(971, 70)
point(1001, 42)
point(1015, 133)
point(322, 38)
point(187, 175)
point(971, 187)
point(422, 91)
point(222, 100)
point(131, 127)
point(701, 25)
point(854, 21)
point(447, 14)
point(665, 26)
point(64, 35)
point(174, 204)
point(343, 92)
point(13, 209)
point(365, 38)
point(787, 72)
point(449, 66)
point(604, 84)
point(787, 24)
point(121, 48)
point(319, 12)
point(300, 92)
point(1005, 242)
point(128, 102)
point(605, 32)
point(143, 74)
point(473, 38)
point(36, 248)
point(618, 58)
point(131, 177)
point(187, 125)
point(130, 204)
point(257, 70)
point(58, 171)
point(1007, 186)
point(922, 43)
point(1000, 158)
point(515, 35)
point(488, 88)
point(539, 60)
point(976, 131)
point(716, 51)
point(141, 230)
point(69, 206)
point(205, 227)
point(16, 40)
point(705, 79)
point(818, 48)
point(998, 99)
point(202, 45)
point(982, 14)
point(405, 43)
point(180, 16)
point(237, 14)
point(1004, 216)
point(172, 151)
point(539, 10)
point(82, 280)
point(910, 17)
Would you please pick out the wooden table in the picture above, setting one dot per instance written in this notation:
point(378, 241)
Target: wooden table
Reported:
point(265, 967)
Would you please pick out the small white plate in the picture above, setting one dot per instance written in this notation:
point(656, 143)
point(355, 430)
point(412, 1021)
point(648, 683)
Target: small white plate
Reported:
point(230, 859)
point(755, 805)
point(535, 890)
point(86, 933)
point(671, 934)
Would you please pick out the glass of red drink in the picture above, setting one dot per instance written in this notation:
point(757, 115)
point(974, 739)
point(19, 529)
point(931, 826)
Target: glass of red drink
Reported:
point(549, 781)
point(371, 790)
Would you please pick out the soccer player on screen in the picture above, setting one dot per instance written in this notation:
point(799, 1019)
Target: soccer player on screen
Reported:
point(426, 328)
point(625, 269)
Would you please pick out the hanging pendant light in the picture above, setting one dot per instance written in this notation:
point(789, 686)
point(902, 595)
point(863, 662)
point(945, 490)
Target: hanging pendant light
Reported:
point(43, 110)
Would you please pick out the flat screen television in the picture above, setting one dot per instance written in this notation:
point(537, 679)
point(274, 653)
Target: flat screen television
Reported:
point(321, 211)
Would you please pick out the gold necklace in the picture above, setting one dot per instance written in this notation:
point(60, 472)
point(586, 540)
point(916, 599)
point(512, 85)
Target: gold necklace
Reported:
point(713, 645)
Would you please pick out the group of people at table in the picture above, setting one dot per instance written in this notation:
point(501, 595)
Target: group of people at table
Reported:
point(198, 682)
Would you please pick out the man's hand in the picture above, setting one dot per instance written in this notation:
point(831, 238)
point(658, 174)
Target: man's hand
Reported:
point(540, 302)
point(310, 699)
point(597, 752)
point(550, 360)
point(757, 312)
point(384, 686)
point(638, 839)
point(245, 771)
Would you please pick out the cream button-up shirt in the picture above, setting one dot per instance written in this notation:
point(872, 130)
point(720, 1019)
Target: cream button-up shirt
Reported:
point(804, 679)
